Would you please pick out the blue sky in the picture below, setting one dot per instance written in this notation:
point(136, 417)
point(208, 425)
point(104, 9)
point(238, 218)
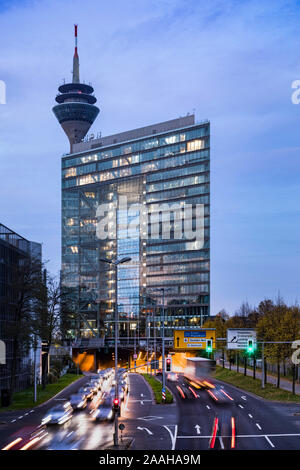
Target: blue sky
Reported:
point(153, 60)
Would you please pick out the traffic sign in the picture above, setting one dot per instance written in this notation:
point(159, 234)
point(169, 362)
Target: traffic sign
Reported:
point(194, 339)
point(237, 338)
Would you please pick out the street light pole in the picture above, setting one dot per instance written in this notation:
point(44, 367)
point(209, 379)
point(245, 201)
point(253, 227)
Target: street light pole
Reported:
point(116, 435)
point(163, 342)
point(115, 265)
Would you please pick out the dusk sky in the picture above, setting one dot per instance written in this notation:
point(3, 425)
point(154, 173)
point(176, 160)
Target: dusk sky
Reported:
point(232, 62)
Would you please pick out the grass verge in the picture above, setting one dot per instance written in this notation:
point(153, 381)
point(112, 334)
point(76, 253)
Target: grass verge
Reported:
point(254, 386)
point(156, 386)
point(24, 399)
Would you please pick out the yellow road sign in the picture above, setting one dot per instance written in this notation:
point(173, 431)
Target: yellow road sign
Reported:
point(194, 339)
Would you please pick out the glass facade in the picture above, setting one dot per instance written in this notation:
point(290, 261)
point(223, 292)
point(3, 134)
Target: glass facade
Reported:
point(159, 176)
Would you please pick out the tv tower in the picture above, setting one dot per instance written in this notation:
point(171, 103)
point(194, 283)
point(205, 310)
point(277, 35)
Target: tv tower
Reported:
point(75, 110)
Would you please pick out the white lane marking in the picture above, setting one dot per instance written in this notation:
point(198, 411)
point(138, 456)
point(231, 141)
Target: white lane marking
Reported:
point(241, 406)
point(20, 417)
point(26, 414)
point(150, 418)
point(208, 407)
point(127, 399)
point(250, 416)
point(173, 436)
point(221, 442)
point(13, 421)
point(269, 441)
point(145, 429)
point(244, 397)
point(31, 411)
point(258, 426)
point(198, 429)
point(142, 394)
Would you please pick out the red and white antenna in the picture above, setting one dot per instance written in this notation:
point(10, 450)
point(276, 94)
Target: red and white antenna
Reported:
point(75, 29)
point(76, 59)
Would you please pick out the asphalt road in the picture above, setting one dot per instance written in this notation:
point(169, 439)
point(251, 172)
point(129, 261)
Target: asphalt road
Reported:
point(194, 423)
point(244, 422)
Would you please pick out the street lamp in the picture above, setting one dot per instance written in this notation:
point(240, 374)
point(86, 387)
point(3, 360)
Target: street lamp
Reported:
point(163, 290)
point(115, 264)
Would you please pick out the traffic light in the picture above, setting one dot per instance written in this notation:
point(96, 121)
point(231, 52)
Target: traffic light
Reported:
point(168, 364)
point(250, 347)
point(116, 405)
point(209, 345)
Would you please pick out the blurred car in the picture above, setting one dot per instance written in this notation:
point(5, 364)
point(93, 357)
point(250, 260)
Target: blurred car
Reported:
point(87, 392)
point(27, 437)
point(219, 395)
point(65, 441)
point(172, 376)
point(59, 414)
point(104, 412)
point(78, 401)
point(121, 393)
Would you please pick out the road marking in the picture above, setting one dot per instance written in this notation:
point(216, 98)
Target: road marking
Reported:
point(26, 414)
point(127, 399)
point(244, 397)
point(31, 411)
point(20, 417)
point(250, 416)
point(150, 418)
point(173, 436)
point(13, 420)
point(221, 442)
point(269, 441)
point(146, 429)
point(241, 406)
point(240, 436)
point(198, 429)
point(208, 407)
point(258, 426)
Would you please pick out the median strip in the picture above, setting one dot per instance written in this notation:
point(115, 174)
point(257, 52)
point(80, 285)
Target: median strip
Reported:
point(156, 386)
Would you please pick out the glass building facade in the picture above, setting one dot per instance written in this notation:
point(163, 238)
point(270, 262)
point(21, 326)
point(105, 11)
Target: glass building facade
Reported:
point(125, 196)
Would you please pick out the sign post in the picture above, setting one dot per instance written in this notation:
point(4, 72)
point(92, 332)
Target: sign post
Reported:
point(238, 338)
point(186, 340)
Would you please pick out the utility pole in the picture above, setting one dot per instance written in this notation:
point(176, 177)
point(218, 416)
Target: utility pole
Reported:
point(115, 265)
point(263, 365)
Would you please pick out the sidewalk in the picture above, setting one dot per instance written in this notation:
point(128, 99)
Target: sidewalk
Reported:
point(284, 383)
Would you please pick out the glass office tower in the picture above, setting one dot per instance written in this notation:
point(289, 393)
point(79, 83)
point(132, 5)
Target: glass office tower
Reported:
point(124, 196)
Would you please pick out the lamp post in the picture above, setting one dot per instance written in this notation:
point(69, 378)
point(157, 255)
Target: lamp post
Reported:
point(115, 265)
point(163, 290)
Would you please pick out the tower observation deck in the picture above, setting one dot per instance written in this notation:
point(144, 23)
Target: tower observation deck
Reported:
point(76, 110)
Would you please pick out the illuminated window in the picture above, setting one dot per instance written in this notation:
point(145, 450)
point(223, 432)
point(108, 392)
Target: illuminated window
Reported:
point(196, 144)
point(74, 249)
point(70, 172)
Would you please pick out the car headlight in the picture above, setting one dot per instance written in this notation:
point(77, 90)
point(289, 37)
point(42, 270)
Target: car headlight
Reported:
point(47, 419)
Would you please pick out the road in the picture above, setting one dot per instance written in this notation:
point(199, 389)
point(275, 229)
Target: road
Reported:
point(197, 423)
point(245, 422)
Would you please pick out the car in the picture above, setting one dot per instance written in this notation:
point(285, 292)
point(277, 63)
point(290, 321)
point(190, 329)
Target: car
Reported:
point(78, 401)
point(87, 392)
point(104, 411)
point(27, 437)
point(172, 376)
point(219, 395)
point(121, 393)
point(59, 414)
